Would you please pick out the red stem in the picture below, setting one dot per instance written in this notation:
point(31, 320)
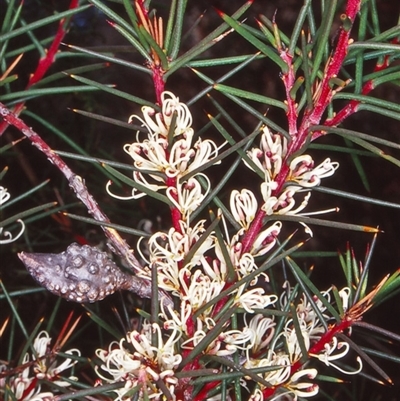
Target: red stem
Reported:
point(311, 117)
point(31, 387)
point(45, 62)
point(158, 81)
point(141, 5)
point(289, 80)
point(203, 393)
point(352, 106)
point(254, 229)
point(315, 349)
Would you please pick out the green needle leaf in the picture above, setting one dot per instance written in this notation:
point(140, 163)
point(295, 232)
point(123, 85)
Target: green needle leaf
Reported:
point(267, 50)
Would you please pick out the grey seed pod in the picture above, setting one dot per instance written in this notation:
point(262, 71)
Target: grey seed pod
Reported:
point(80, 274)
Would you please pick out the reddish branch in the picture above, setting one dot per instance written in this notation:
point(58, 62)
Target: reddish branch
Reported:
point(158, 81)
point(289, 80)
point(78, 185)
point(352, 106)
point(311, 116)
point(45, 62)
point(152, 28)
point(315, 349)
point(176, 215)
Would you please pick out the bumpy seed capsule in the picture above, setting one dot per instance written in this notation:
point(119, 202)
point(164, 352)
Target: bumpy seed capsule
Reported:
point(80, 274)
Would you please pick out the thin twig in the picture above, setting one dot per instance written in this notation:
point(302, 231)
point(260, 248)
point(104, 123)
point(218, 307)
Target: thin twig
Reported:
point(143, 287)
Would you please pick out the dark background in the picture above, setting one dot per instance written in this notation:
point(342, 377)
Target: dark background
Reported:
point(27, 166)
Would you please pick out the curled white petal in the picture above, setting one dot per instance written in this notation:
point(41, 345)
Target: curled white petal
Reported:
point(330, 354)
point(244, 207)
point(305, 174)
point(266, 239)
point(41, 343)
point(303, 389)
point(133, 196)
point(270, 155)
point(8, 236)
point(4, 195)
point(254, 299)
point(188, 195)
point(158, 124)
point(263, 329)
point(345, 294)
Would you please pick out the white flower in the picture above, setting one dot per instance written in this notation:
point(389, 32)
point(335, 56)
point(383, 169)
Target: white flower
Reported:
point(166, 251)
point(49, 368)
point(270, 202)
point(292, 340)
point(286, 202)
point(201, 288)
point(159, 158)
point(302, 171)
point(270, 155)
point(149, 155)
point(309, 331)
point(23, 382)
point(276, 376)
point(180, 157)
point(167, 275)
point(41, 343)
point(42, 365)
point(159, 123)
point(206, 150)
point(247, 265)
point(345, 294)
point(243, 207)
point(253, 299)
point(176, 244)
point(226, 343)
point(233, 340)
point(153, 155)
point(300, 388)
point(266, 239)
point(234, 248)
point(302, 174)
point(263, 329)
point(328, 355)
point(146, 364)
point(4, 195)
point(187, 196)
point(8, 237)
point(177, 320)
point(306, 313)
point(293, 388)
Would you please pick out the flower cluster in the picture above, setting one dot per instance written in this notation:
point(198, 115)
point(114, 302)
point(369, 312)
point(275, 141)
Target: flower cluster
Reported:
point(302, 174)
point(25, 384)
point(8, 238)
point(212, 276)
point(168, 153)
point(147, 364)
point(285, 352)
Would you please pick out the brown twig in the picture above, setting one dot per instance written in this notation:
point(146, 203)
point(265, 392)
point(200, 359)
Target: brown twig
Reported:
point(143, 287)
